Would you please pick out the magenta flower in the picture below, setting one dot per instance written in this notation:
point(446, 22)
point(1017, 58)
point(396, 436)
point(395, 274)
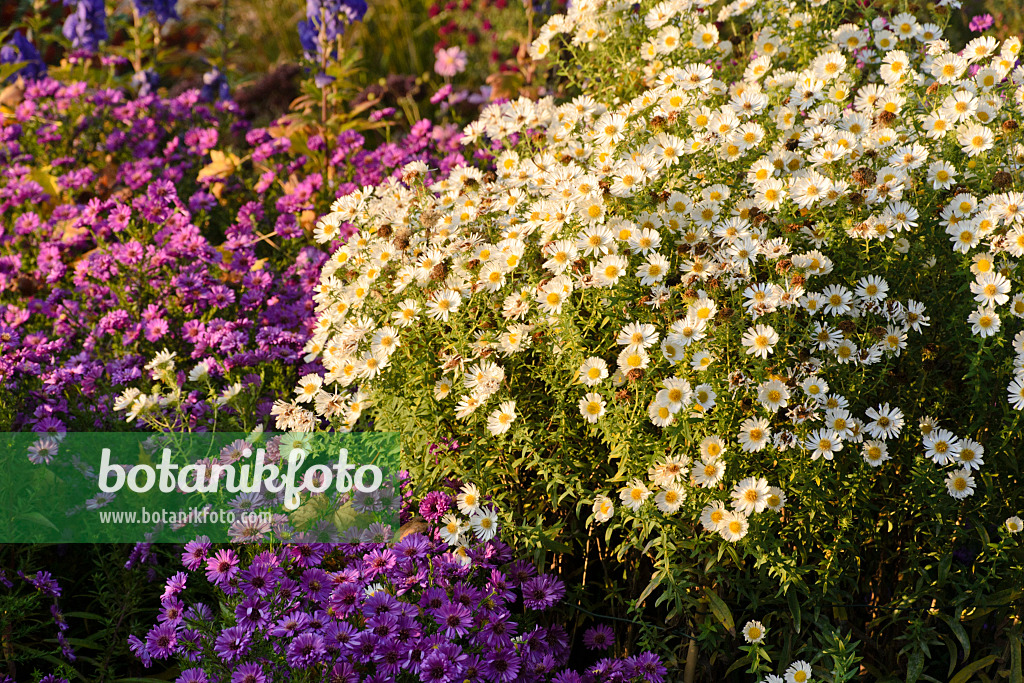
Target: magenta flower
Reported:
point(222, 567)
point(982, 22)
point(450, 61)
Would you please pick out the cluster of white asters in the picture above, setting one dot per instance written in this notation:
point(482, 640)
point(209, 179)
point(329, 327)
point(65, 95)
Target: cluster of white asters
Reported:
point(595, 197)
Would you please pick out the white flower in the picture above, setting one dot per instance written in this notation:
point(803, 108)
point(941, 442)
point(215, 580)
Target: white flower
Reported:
point(485, 524)
point(1013, 525)
point(750, 495)
point(760, 340)
point(500, 421)
point(670, 499)
point(634, 494)
point(468, 499)
point(592, 407)
point(960, 484)
point(753, 632)
point(603, 509)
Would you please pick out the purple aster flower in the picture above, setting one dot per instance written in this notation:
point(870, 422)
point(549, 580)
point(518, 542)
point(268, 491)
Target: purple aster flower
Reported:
point(192, 676)
point(306, 650)
point(139, 649)
point(648, 666)
point(542, 592)
point(436, 668)
point(161, 640)
point(232, 643)
point(434, 505)
point(346, 599)
point(316, 583)
point(520, 571)
point(502, 665)
point(454, 619)
point(248, 673)
point(379, 562)
point(253, 612)
point(600, 637)
point(222, 567)
point(195, 553)
point(175, 585)
point(290, 624)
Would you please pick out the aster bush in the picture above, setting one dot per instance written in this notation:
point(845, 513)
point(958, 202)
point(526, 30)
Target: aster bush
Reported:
point(415, 610)
point(736, 321)
point(160, 225)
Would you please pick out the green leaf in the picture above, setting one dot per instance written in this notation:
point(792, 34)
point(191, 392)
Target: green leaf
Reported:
point(958, 630)
point(794, 608)
point(965, 673)
point(915, 665)
point(720, 610)
point(1015, 658)
point(8, 70)
point(36, 518)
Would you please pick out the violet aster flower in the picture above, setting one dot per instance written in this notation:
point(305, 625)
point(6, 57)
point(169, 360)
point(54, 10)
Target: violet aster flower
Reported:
point(542, 592)
point(435, 505)
point(161, 640)
point(249, 672)
point(454, 620)
point(232, 643)
point(193, 675)
point(306, 650)
point(600, 637)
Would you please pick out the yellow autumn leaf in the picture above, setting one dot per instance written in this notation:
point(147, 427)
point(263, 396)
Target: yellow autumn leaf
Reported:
point(221, 166)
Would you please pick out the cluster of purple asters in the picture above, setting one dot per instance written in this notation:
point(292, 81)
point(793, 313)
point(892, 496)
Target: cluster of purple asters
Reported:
point(114, 246)
point(373, 613)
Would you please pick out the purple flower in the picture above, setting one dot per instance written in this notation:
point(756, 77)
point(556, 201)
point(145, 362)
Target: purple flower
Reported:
point(86, 26)
point(192, 676)
point(435, 505)
point(306, 650)
point(248, 673)
point(503, 665)
point(981, 22)
point(542, 592)
point(454, 620)
point(232, 643)
point(436, 668)
point(600, 637)
point(222, 567)
point(161, 640)
point(195, 553)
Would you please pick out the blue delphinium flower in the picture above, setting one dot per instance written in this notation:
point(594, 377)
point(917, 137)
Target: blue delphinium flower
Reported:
point(163, 10)
point(332, 15)
point(86, 26)
point(22, 50)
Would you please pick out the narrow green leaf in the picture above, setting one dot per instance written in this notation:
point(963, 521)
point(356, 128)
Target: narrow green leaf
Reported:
point(965, 673)
point(720, 610)
point(794, 608)
point(915, 666)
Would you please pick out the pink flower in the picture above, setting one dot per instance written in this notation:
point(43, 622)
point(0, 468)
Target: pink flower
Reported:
point(450, 61)
point(982, 22)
